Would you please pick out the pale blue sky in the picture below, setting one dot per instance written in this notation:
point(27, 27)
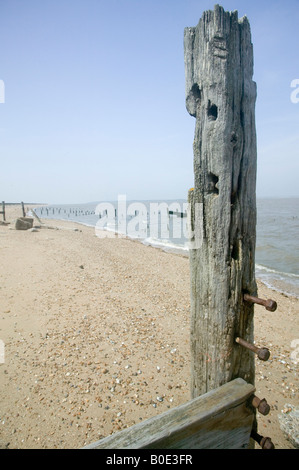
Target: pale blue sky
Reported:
point(95, 98)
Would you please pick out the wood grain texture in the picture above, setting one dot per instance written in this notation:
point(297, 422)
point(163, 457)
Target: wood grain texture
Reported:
point(221, 95)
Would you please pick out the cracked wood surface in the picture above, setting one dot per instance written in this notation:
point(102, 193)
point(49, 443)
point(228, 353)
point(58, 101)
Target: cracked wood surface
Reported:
point(221, 95)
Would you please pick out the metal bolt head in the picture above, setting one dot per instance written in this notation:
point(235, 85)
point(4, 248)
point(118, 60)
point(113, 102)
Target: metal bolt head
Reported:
point(263, 354)
point(266, 443)
point(263, 407)
point(271, 305)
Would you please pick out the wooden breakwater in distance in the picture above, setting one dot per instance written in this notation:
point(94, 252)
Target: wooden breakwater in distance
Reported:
point(79, 212)
point(220, 419)
point(178, 214)
point(71, 211)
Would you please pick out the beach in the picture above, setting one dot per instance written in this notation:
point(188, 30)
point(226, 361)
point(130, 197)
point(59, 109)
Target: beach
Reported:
point(96, 336)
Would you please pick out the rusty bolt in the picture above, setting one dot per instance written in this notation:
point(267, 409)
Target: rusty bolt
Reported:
point(261, 405)
point(262, 353)
point(269, 304)
point(264, 442)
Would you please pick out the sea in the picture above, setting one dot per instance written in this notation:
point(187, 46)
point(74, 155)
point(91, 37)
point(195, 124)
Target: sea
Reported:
point(163, 224)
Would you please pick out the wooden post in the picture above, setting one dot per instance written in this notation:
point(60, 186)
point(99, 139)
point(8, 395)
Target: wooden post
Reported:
point(36, 216)
point(221, 95)
point(3, 210)
point(23, 209)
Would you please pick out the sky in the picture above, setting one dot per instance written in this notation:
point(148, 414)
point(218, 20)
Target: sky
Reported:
point(92, 98)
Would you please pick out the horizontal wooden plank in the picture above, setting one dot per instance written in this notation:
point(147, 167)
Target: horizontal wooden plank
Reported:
point(219, 419)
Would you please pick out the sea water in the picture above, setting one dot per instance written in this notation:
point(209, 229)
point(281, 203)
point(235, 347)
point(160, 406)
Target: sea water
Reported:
point(162, 224)
point(277, 244)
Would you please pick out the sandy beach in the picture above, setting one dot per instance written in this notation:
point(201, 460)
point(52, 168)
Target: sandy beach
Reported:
point(96, 337)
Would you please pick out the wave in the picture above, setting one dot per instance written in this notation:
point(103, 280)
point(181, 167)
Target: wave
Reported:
point(274, 271)
point(166, 245)
point(286, 283)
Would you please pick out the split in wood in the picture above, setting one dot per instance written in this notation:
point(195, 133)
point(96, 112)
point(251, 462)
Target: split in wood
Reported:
point(261, 405)
point(264, 442)
point(262, 353)
point(269, 304)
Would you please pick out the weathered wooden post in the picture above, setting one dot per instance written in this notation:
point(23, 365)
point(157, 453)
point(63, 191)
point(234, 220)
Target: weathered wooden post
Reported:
point(23, 209)
point(221, 95)
point(3, 211)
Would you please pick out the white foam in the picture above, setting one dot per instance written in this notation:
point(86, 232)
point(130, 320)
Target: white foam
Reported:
point(165, 245)
point(274, 271)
